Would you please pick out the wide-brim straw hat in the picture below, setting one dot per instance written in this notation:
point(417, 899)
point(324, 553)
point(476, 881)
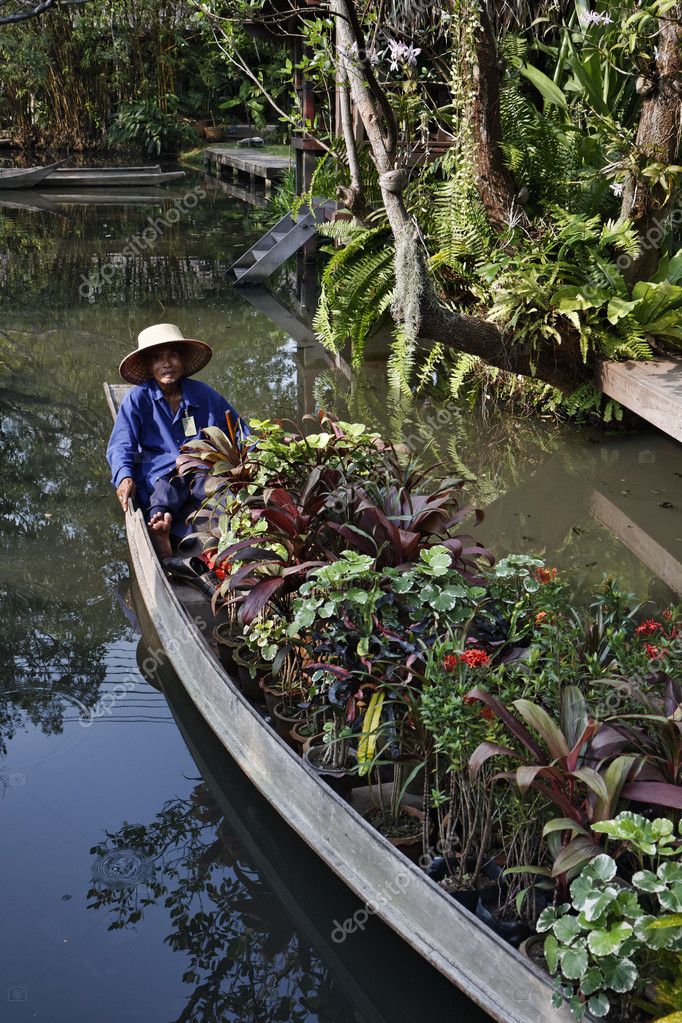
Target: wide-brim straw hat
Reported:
point(195, 354)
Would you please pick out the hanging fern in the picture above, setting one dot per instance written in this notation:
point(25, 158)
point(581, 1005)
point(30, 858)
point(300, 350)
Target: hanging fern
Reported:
point(357, 287)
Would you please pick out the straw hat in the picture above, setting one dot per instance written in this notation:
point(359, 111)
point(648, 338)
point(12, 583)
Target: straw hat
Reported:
point(135, 367)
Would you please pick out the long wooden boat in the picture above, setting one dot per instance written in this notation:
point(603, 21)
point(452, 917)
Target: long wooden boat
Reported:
point(26, 177)
point(490, 972)
point(110, 177)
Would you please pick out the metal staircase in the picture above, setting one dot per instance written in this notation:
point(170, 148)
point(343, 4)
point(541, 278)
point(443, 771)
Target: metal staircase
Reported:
point(280, 242)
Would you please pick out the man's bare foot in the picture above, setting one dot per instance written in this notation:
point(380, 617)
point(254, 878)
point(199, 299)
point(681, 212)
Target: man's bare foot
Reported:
point(159, 528)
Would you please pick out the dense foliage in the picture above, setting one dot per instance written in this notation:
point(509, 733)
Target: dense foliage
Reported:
point(396, 642)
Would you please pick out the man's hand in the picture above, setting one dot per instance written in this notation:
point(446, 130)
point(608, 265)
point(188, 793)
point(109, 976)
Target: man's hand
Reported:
point(124, 490)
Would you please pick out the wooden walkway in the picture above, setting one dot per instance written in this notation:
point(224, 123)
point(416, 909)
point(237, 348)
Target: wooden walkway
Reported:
point(226, 160)
point(653, 390)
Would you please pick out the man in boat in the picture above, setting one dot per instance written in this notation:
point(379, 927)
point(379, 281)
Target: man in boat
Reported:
point(162, 412)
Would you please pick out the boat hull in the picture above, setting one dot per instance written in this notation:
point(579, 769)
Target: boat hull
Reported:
point(26, 177)
point(100, 178)
point(488, 970)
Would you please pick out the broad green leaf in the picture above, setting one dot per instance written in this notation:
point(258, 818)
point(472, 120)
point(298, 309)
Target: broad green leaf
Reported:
point(670, 872)
point(595, 904)
point(618, 308)
point(647, 881)
point(549, 91)
point(607, 942)
point(592, 981)
point(672, 898)
point(594, 781)
point(551, 950)
point(550, 915)
point(582, 888)
point(620, 975)
point(573, 962)
point(566, 929)
point(603, 867)
point(599, 1004)
point(579, 297)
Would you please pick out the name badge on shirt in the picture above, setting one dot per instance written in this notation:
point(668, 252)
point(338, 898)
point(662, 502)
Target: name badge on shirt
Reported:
point(188, 426)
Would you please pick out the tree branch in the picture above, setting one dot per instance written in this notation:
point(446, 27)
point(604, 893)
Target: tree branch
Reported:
point(36, 11)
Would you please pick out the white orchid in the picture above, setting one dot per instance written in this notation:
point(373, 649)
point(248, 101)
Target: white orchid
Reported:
point(401, 53)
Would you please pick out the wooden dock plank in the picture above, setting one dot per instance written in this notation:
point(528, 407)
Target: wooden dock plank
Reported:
point(261, 165)
point(653, 390)
point(659, 560)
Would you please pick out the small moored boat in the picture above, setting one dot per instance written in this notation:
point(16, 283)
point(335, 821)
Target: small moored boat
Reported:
point(504, 983)
point(110, 177)
point(26, 177)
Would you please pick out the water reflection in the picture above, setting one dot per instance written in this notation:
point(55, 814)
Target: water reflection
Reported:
point(245, 960)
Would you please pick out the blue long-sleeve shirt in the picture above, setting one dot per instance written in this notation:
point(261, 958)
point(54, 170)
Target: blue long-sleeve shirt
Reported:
point(147, 436)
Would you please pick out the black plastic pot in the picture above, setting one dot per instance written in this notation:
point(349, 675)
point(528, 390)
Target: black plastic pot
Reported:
point(513, 931)
point(341, 780)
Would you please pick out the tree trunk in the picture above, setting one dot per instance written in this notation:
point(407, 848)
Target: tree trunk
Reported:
point(658, 139)
point(495, 182)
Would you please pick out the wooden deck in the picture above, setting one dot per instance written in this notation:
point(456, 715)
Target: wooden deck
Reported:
point(226, 160)
point(653, 390)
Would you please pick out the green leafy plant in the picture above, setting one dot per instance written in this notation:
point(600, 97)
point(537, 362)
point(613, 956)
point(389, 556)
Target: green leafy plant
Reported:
point(143, 125)
point(610, 937)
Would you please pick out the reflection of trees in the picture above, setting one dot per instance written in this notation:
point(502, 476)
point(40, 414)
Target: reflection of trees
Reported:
point(247, 963)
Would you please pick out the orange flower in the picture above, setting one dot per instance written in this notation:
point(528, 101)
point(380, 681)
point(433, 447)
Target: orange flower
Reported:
point(545, 575)
point(540, 617)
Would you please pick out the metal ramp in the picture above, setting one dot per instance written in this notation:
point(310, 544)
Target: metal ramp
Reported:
point(278, 245)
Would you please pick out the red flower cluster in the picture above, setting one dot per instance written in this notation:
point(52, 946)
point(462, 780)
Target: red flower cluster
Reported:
point(545, 575)
point(488, 713)
point(653, 652)
point(649, 628)
point(474, 658)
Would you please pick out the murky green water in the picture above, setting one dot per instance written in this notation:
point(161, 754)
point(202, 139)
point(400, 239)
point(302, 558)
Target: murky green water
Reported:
point(214, 933)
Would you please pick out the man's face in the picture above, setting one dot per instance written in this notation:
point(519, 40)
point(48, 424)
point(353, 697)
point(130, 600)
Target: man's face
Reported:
point(166, 365)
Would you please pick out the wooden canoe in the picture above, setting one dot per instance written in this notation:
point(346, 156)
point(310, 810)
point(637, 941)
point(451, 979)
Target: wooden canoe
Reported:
point(490, 972)
point(110, 177)
point(26, 177)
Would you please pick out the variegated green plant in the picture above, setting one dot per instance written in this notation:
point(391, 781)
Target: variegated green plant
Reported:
point(609, 939)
